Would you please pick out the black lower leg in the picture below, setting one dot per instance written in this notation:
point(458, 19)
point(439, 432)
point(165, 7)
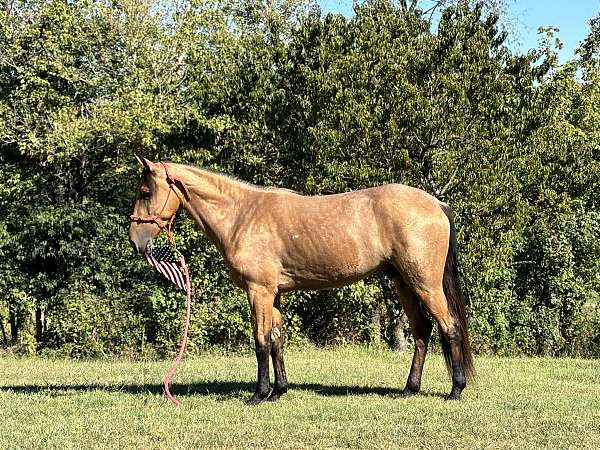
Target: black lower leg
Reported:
point(280, 386)
point(263, 385)
point(413, 383)
point(459, 380)
point(420, 325)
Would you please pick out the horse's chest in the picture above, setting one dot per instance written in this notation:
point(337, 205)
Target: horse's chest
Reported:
point(252, 266)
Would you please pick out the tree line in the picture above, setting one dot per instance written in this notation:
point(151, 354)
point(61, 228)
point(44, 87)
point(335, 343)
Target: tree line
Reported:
point(279, 94)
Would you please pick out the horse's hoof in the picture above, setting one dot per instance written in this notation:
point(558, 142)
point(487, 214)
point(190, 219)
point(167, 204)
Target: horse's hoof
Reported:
point(257, 398)
point(407, 392)
point(453, 396)
point(273, 397)
point(276, 394)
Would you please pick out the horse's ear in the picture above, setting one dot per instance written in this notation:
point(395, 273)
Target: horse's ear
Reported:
point(146, 164)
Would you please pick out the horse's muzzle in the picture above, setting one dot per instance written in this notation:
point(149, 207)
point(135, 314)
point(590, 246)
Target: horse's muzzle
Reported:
point(141, 249)
point(134, 246)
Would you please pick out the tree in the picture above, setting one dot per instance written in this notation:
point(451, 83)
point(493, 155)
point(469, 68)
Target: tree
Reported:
point(280, 95)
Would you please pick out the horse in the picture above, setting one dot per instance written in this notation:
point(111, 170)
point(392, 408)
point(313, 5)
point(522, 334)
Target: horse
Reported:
point(275, 241)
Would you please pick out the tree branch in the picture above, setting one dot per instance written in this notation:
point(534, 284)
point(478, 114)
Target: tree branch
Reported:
point(450, 183)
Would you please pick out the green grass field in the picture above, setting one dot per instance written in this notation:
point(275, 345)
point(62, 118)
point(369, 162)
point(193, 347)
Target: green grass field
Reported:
point(341, 398)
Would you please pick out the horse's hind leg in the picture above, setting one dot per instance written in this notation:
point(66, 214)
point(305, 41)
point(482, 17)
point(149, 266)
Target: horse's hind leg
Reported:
point(420, 326)
point(426, 261)
point(277, 340)
point(436, 303)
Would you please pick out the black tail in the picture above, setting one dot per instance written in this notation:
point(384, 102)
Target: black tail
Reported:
point(456, 303)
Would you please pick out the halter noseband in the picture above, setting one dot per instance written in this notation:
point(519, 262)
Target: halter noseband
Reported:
point(157, 219)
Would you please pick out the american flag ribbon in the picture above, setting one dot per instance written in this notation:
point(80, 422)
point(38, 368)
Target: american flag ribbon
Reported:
point(166, 261)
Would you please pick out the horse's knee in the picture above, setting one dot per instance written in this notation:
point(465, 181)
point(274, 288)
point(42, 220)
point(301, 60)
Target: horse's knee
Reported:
point(262, 341)
point(434, 301)
point(452, 334)
point(423, 330)
point(421, 345)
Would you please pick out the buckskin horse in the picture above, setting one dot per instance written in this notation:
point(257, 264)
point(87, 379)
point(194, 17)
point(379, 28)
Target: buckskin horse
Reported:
point(275, 241)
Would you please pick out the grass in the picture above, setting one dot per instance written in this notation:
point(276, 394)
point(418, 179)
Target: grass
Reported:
point(340, 398)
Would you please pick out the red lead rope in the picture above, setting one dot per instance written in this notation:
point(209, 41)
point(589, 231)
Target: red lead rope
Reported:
point(186, 327)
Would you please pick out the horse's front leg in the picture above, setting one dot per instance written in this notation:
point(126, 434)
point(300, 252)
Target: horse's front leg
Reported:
point(261, 303)
point(280, 385)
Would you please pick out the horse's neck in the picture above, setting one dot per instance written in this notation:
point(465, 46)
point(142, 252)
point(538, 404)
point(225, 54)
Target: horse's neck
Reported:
point(214, 202)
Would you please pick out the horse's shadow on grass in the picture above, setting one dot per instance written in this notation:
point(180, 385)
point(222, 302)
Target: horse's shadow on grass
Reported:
point(222, 390)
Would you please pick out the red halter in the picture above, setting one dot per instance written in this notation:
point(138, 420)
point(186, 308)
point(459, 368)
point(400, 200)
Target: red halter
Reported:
point(165, 225)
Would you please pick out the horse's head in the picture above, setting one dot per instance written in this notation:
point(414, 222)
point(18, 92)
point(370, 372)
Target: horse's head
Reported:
point(154, 206)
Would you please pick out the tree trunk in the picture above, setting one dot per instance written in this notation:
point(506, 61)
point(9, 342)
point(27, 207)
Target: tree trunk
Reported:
point(4, 337)
point(394, 333)
point(39, 324)
point(399, 341)
point(14, 329)
point(376, 321)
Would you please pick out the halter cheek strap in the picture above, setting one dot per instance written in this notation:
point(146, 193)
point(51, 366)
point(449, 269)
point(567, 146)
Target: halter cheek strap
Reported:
point(165, 225)
point(172, 179)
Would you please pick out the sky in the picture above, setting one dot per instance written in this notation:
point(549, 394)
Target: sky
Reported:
point(524, 17)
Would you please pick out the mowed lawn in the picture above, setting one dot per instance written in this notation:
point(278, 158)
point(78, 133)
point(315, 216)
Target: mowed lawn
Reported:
point(342, 398)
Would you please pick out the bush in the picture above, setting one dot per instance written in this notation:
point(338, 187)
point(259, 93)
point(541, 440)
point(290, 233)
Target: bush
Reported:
point(278, 94)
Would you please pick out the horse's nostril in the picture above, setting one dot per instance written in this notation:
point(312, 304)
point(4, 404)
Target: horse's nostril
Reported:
point(134, 245)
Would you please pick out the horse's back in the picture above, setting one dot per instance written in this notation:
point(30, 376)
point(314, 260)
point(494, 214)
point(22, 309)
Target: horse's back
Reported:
point(336, 239)
point(378, 216)
point(391, 208)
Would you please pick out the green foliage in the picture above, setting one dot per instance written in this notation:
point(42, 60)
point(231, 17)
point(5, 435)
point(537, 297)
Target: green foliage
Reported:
point(340, 316)
point(278, 94)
